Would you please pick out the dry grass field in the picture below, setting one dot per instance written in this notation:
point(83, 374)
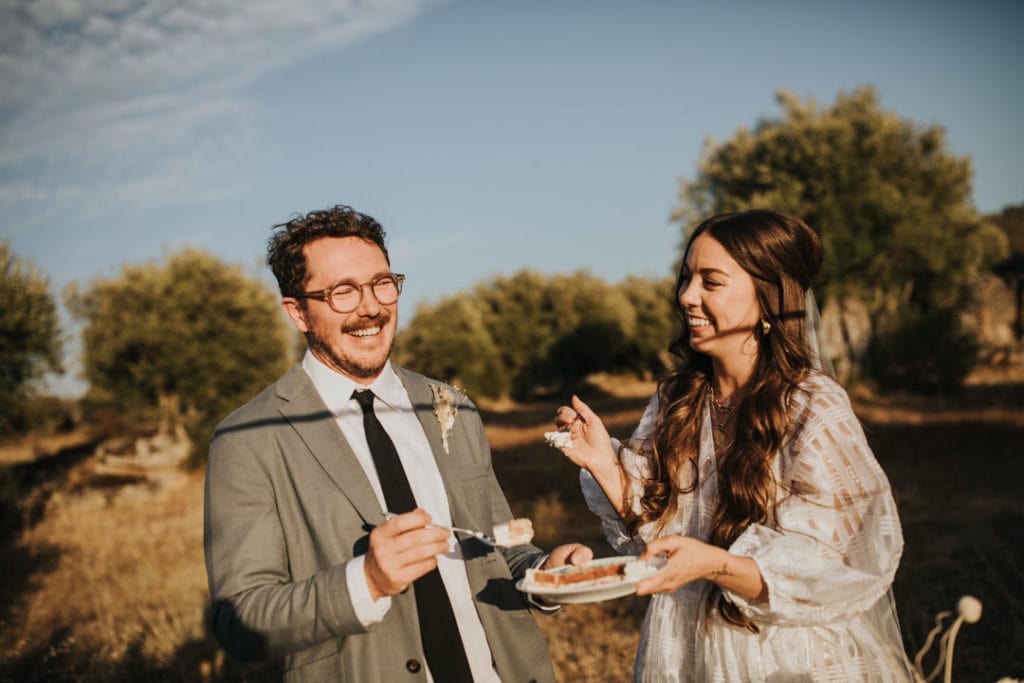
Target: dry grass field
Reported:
point(103, 579)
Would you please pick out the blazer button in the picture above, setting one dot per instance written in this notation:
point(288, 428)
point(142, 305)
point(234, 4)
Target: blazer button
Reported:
point(413, 666)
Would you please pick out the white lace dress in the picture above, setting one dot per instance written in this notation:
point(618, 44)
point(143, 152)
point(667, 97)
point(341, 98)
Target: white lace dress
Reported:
point(828, 561)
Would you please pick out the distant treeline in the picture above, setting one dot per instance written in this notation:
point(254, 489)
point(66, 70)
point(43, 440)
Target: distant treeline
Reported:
point(185, 340)
point(529, 333)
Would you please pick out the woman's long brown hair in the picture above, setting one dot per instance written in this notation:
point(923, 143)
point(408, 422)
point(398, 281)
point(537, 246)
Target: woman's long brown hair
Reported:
point(782, 255)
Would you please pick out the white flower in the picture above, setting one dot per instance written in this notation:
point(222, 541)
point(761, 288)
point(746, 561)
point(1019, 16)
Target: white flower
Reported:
point(445, 410)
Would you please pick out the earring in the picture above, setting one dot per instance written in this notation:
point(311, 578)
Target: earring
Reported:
point(766, 327)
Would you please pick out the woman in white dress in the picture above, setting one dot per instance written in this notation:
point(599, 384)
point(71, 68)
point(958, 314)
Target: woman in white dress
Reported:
point(751, 473)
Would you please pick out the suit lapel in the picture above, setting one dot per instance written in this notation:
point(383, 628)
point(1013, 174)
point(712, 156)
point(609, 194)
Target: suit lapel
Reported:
point(303, 408)
point(422, 399)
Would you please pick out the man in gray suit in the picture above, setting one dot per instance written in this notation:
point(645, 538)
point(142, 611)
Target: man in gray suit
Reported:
point(322, 493)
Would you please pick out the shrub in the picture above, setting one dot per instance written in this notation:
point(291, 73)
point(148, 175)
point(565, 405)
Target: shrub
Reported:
point(924, 352)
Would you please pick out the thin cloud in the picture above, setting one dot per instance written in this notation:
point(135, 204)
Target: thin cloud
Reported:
point(112, 96)
point(56, 50)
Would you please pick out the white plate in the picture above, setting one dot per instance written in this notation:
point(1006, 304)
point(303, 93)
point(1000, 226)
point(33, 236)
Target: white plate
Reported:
point(595, 591)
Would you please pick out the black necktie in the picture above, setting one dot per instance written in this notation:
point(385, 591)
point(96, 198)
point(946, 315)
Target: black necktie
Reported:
point(439, 633)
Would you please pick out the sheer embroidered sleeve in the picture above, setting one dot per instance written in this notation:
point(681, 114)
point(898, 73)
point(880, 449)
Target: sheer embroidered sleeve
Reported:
point(836, 541)
point(636, 467)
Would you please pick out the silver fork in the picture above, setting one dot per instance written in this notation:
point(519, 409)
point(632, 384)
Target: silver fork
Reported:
point(478, 535)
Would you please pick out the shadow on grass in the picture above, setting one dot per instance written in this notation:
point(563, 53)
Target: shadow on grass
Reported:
point(958, 487)
point(542, 412)
point(1003, 395)
point(25, 489)
point(22, 569)
point(196, 661)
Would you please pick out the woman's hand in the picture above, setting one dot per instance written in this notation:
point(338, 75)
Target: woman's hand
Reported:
point(690, 559)
point(591, 445)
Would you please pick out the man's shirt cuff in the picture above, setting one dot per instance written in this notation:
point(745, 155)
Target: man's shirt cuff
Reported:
point(368, 611)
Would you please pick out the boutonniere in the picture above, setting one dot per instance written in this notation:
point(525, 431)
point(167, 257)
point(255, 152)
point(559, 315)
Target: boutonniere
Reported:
point(445, 410)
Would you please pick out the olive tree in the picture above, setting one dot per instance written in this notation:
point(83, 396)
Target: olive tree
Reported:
point(657, 323)
point(593, 327)
point(1011, 221)
point(449, 341)
point(521, 334)
point(30, 341)
point(180, 342)
point(891, 204)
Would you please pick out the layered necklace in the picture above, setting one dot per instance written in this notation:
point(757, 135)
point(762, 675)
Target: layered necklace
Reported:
point(721, 417)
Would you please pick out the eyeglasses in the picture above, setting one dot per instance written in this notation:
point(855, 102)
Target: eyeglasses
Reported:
point(346, 296)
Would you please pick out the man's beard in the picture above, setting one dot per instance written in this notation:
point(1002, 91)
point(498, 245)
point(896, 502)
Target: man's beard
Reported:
point(345, 364)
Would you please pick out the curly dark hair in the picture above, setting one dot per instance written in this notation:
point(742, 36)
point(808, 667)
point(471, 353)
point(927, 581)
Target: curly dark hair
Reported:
point(285, 247)
point(783, 256)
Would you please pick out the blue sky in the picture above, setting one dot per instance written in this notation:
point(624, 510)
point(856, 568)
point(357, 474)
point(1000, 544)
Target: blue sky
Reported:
point(486, 136)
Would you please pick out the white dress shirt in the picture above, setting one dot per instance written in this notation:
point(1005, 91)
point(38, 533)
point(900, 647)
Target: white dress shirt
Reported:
point(398, 417)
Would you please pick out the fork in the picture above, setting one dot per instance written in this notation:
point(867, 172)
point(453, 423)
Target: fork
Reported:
point(478, 535)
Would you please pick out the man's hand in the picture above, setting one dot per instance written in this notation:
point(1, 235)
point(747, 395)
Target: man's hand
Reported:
point(570, 553)
point(402, 550)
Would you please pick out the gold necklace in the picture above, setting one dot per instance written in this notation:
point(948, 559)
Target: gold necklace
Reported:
point(721, 413)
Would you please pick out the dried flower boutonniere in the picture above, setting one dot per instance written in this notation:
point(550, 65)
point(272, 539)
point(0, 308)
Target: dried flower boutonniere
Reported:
point(445, 410)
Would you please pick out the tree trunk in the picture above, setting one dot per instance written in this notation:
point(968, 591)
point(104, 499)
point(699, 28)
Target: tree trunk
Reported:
point(170, 413)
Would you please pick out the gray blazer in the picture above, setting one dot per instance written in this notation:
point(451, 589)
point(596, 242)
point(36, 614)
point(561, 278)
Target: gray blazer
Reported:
point(287, 505)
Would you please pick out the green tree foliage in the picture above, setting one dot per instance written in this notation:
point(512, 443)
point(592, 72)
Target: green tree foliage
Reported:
point(553, 332)
point(1011, 221)
point(30, 343)
point(182, 342)
point(907, 358)
point(593, 326)
point(528, 333)
point(449, 341)
point(657, 323)
point(519, 315)
point(892, 205)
